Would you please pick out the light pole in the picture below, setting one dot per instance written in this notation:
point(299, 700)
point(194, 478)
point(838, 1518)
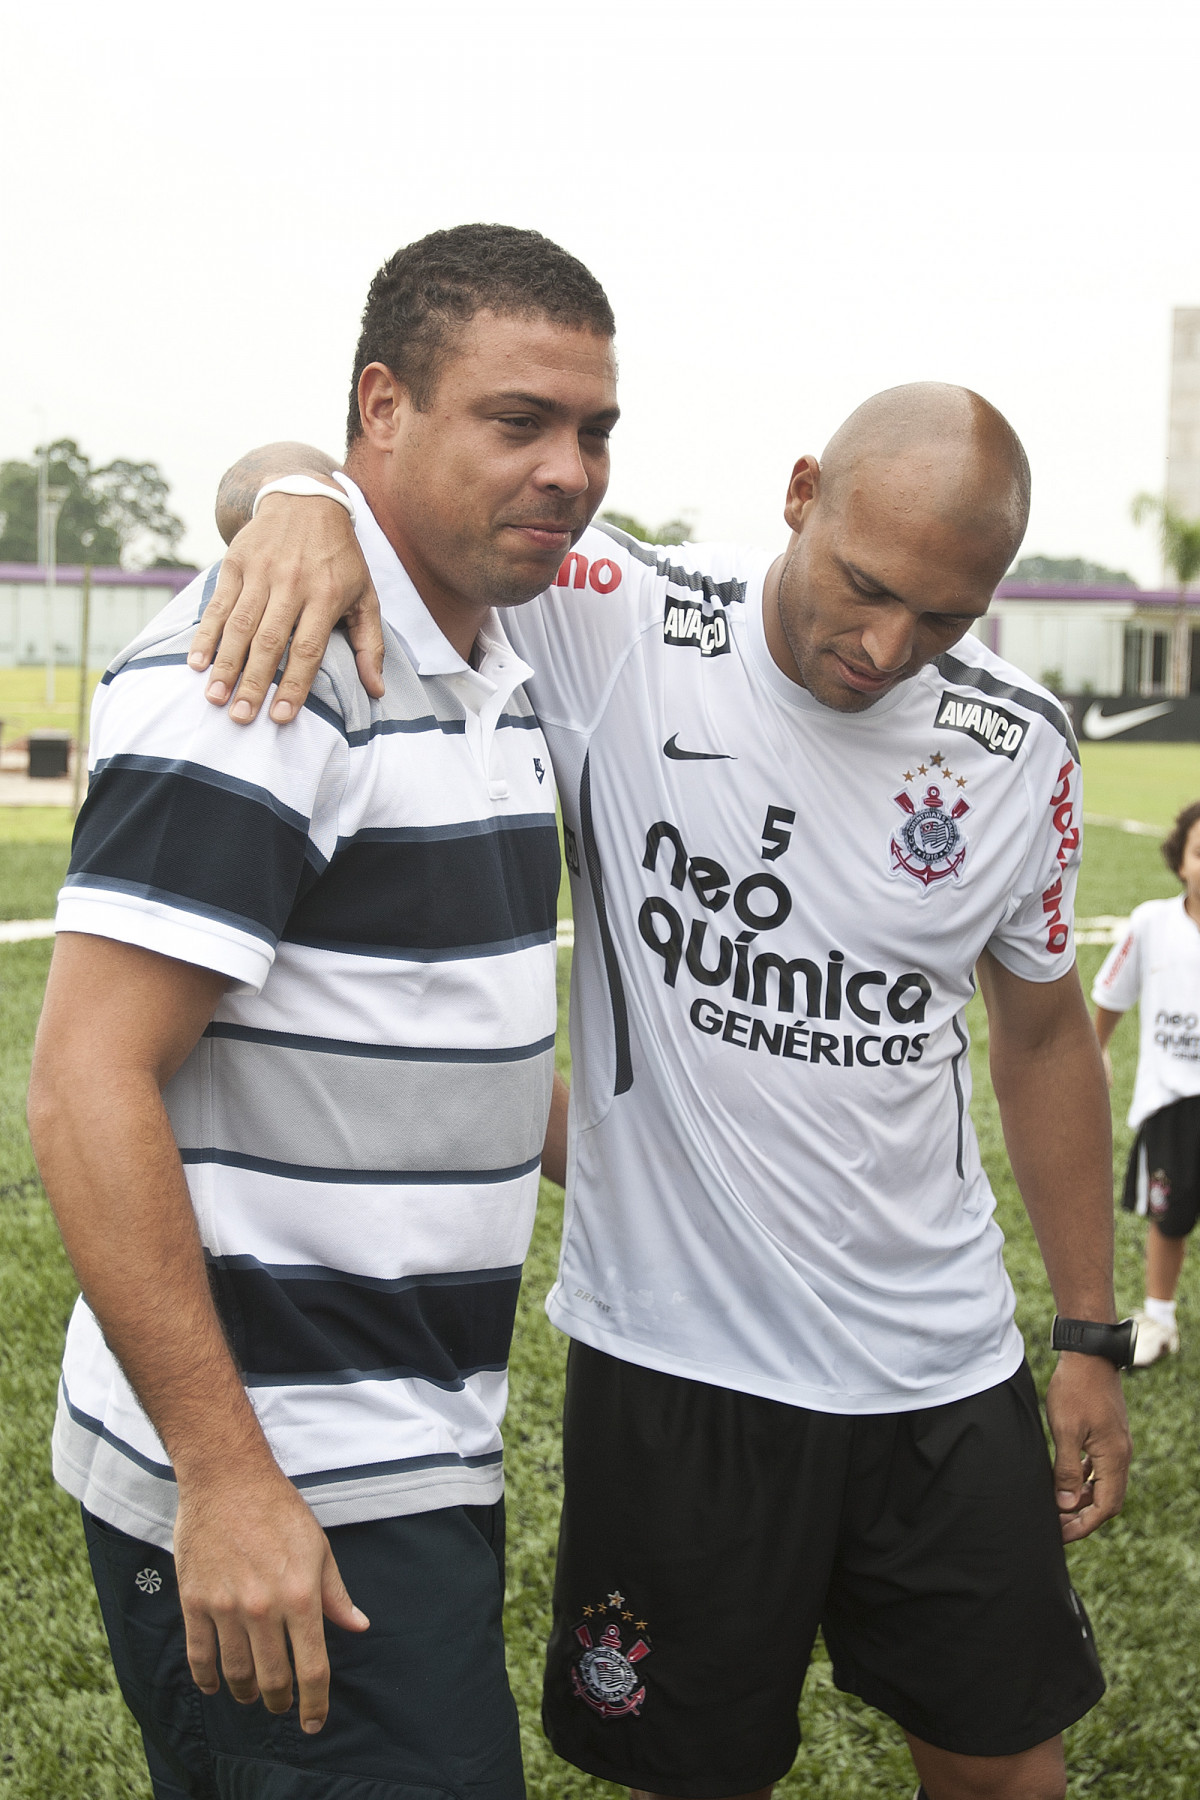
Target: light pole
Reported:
point(50, 504)
point(85, 611)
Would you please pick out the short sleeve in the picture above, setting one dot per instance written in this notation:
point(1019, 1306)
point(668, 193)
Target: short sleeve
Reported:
point(1119, 981)
point(1036, 938)
point(198, 835)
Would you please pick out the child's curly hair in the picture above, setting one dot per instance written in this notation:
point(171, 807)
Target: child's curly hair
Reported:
point(1172, 847)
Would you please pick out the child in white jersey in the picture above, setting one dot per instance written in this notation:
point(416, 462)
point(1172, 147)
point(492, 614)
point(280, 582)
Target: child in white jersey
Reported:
point(1157, 967)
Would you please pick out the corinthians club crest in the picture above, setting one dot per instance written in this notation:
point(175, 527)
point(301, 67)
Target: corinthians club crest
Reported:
point(605, 1675)
point(930, 845)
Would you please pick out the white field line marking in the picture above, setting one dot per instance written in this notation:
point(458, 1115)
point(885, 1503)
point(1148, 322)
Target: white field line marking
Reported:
point(1136, 826)
point(16, 931)
point(1105, 928)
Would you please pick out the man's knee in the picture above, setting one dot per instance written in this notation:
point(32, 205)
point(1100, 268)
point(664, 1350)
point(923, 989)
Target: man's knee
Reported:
point(1037, 1774)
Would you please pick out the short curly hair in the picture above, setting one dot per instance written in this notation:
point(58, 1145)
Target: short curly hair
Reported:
point(427, 291)
point(1173, 846)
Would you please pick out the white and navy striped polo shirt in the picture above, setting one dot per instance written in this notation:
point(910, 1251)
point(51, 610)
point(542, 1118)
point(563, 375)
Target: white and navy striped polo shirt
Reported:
point(361, 1123)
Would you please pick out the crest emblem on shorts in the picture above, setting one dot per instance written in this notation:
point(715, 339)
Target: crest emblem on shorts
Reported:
point(930, 845)
point(605, 1673)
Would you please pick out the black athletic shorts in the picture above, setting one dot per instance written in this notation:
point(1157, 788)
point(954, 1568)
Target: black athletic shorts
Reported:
point(419, 1705)
point(1162, 1177)
point(706, 1534)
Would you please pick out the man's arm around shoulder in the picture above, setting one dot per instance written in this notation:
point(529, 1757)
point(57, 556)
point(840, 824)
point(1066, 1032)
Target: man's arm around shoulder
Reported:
point(255, 1569)
point(1049, 1081)
point(290, 575)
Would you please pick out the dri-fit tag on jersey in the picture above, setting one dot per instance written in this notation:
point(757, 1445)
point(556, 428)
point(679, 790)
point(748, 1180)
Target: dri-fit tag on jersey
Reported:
point(1001, 732)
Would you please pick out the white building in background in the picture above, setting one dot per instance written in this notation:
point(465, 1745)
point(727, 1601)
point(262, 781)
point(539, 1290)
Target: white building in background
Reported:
point(1183, 425)
point(123, 601)
point(1090, 640)
point(1117, 640)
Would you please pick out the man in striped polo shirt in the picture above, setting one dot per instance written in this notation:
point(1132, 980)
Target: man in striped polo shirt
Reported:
point(292, 1083)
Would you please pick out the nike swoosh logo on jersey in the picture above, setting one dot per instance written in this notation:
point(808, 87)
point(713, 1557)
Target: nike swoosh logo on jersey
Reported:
point(671, 749)
point(1097, 724)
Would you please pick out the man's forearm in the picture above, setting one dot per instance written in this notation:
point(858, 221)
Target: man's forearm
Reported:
point(1057, 1128)
point(1049, 1082)
point(254, 1567)
point(240, 484)
point(1054, 1108)
point(114, 1179)
point(116, 1024)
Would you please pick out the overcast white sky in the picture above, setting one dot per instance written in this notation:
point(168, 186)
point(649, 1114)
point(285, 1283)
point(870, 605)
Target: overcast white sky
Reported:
point(791, 206)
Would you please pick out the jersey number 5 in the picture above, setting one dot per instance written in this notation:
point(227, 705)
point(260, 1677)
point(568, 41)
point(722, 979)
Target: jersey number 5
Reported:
point(774, 834)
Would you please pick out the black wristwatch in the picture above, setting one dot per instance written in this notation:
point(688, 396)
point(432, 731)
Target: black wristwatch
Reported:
point(1116, 1342)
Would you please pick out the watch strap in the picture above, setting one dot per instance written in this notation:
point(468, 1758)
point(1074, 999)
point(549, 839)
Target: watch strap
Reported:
point(1089, 1337)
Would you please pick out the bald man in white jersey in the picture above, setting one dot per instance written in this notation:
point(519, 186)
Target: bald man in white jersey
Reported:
point(802, 807)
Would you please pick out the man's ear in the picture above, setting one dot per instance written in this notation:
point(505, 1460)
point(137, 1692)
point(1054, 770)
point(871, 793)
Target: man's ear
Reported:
point(383, 403)
point(802, 490)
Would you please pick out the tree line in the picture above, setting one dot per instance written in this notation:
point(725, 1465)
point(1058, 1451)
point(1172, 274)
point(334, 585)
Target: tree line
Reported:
point(112, 515)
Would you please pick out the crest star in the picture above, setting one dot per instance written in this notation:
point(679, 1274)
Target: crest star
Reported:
point(962, 781)
point(948, 772)
point(908, 774)
point(616, 1600)
point(641, 1625)
point(627, 1615)
point(937, 759)
point(588, 1611)
point(921, 769)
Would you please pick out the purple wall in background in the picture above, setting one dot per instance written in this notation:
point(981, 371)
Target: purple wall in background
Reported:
point(1042, 590)
point(71, 575)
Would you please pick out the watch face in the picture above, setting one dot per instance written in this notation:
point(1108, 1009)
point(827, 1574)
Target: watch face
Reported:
point(1128, 1330)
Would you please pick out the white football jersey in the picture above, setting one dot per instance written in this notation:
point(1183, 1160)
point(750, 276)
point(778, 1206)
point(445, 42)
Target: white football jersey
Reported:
point(1156, 967)
point(774, 1184)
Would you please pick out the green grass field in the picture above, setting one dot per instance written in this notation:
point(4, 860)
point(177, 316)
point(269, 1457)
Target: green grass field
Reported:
point(64, 1734)
point(23, 706)
point(1140, 781)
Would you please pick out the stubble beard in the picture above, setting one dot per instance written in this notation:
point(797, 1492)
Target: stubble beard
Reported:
point(496, 582)
point(816, 666)
point(811, 667)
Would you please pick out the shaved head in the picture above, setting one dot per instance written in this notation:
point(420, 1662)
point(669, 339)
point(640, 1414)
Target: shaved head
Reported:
point(941, 447)
point(899, 536)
